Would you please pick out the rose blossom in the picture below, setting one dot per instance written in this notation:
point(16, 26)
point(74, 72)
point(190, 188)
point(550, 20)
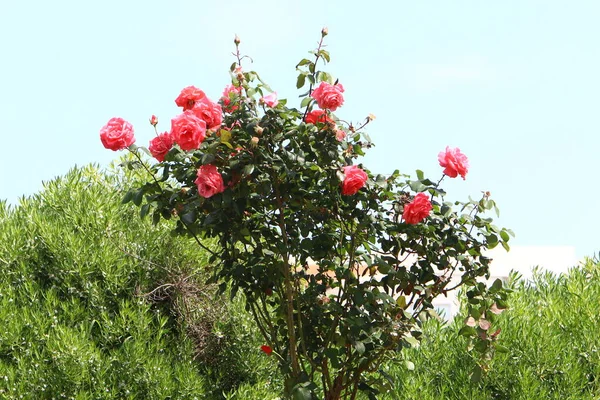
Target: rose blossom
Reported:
point(209, 112)
point(266, 349)
point(454, 162)
point(188, 131)
point(354, 180)
point(328, 96)
point(117, 134)
point(153, 120)
point(160, 146)
point(340, 134)
point(209, 181)
point(417, 210)
point(270, 100)
point(318, 116)
point(188, 97)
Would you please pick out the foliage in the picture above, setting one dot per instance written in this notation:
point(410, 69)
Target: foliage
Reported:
point(551, 340)
point(75, 321)
point(279, 194)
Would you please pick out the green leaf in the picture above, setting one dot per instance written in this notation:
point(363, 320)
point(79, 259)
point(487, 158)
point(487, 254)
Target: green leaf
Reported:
point(248, 169)
point(301, 393)
point(401, 301)
point(467, 331)
point(417, 186)
point(144, 210)
point(420, 175)
point(207, 158)
point(128, 196)
point(138, 196)
point(360, 347)
point(302, 62)
point(502, 349)
point(305, 102)
point(332, 354)
point(189, 218)
point(497, 285)
point(324, 77)
point(301, 81)
point(491, 239)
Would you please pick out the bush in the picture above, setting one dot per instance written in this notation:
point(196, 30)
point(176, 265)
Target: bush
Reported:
point(550, 334)
point(77, 320)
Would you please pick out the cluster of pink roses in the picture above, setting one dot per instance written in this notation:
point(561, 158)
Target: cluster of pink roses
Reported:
point(452, 160)
point(201, 115)
point(188, 130)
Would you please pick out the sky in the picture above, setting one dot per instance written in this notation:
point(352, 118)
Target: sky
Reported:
point(513, 84)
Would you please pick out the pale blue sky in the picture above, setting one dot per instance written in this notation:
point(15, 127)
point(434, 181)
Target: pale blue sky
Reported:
point(514, 84)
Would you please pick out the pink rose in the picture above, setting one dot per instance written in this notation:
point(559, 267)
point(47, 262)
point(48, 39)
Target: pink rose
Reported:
point(340, 134)
point(270, 100)
point(188, 97)
point(227, 95)
point(417, 210)
point(454, 162)
point(209, 112)
point(117, 134)
point(153, 120)
point(209, 181)
point(328, 96)
point(318, 116)
point(160, 146)
point(354, 180)
point(188, 131)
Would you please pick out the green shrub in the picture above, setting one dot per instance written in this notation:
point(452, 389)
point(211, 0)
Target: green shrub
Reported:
point(551, 338)
point(79, 314)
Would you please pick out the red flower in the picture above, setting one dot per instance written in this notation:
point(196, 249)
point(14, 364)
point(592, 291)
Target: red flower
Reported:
point(318, 116)
point(209, 181)
point(153, 120)
point(266, 349)
point(188, 97)
point(354, 180)
point(417, 210)
point(454, 162)
point(328, 96)
point(209, 112)
point(160, 146)
point(117, 134)
point(188, 131)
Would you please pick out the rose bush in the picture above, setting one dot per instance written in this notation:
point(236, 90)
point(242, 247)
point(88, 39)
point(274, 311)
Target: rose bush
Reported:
point(338, 266)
